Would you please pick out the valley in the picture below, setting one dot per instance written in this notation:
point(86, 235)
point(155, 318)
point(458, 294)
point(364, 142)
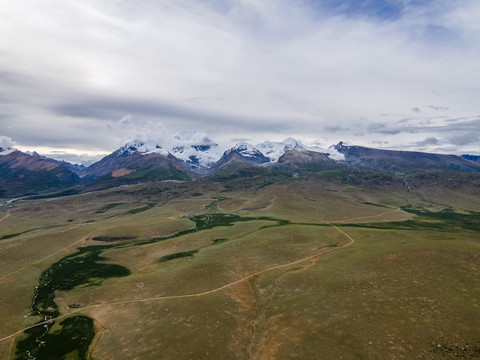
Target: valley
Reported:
point(250, 268)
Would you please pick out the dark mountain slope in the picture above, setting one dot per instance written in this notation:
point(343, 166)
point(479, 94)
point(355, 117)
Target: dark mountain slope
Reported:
point(300, 159)
point(474, 158)
point(403, 161)
point(131, 166)
point(239, 158)
point(23, 174)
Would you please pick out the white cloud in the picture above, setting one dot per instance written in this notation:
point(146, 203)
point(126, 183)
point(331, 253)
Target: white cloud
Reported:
point(6, 142)
point(253, 69)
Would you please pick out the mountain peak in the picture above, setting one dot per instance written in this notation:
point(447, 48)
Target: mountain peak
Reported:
point(274, 150)
point(293, 142)
point(342, 145)
point(142, 148)
point(6, 150)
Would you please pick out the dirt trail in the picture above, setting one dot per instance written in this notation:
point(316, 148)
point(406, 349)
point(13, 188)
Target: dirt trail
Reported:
point(368, 217)
point(170, 297)
point(83, 239)
point(5, 217)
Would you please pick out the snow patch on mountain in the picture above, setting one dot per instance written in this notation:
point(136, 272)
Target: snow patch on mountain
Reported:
point(246, 150)
point(200, 152)
point(195, 149)
point(331, 152)
point(6, 150)
point(274, 150)
point(144, 148)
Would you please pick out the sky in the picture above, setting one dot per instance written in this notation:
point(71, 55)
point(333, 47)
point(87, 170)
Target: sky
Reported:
point(80, 78)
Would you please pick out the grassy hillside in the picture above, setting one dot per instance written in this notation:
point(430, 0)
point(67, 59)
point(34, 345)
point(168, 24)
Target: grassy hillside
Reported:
point(329, 266)
point(21, 181)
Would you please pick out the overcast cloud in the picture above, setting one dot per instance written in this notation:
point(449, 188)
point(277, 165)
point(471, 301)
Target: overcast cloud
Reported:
point(81, 77)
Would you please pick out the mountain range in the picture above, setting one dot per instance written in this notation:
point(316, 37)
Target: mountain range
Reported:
point(186, 159)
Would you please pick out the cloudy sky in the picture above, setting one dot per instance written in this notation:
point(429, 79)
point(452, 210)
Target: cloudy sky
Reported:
point(83, 77)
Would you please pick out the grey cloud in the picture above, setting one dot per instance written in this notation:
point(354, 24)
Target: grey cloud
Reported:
point(380, 142)
point(427, 141)
point(466, 139)
point(12, 78)
point(334, 129)
point(107, 108)
point(238, 140)
point(240, 69)
point(382, 128)
point(6, 141)
point(439, 108)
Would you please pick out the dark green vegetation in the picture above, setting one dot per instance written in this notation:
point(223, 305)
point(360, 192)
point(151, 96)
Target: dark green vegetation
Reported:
point(357, 177)
point(76, 333)
point(108, 207)
point(178, 255)
point(210, 221)
point(9, 236)
point(71, 341)
point(67, 192)
point(219, 241)
point(378, 205)
point(112, 238)
point(80, 268)
point(446, 220)
point(142, 209)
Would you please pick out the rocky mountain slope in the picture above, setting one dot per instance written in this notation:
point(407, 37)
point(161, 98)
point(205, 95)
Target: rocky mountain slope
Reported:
point(402, 161)
point(22, 174)
point(189, 156)
point(137, 161)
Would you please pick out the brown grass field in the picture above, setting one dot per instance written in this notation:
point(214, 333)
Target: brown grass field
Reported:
point(342, 280)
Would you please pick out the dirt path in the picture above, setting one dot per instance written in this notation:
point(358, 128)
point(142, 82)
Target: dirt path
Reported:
point(5, 217)
point(83, 239)
point(369, 217)
point(170, 297)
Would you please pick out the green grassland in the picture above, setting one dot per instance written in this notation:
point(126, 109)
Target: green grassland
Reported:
point(321, 267)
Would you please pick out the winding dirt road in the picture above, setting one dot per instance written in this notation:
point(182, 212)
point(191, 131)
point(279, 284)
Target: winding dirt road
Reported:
point(368, 217)
point(170, 297)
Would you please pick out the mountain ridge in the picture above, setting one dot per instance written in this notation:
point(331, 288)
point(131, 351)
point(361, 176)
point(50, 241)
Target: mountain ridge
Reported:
point(182, 159)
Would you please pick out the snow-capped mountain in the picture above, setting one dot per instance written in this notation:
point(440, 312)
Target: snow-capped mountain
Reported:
point(198, 151)
point(250, 152)
point(141, 147)
point(6, 151)
point(274, 150)
point(240, 156)
point(137, 160)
